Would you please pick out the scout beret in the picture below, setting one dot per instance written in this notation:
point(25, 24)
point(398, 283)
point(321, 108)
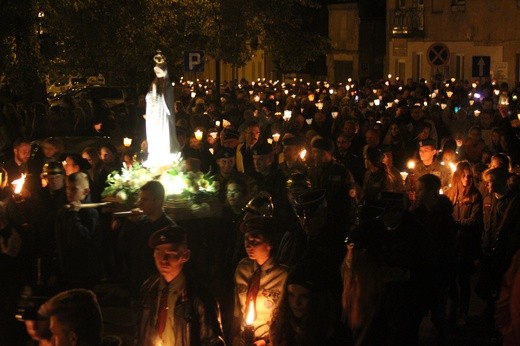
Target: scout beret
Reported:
point(225, 153)
point(260, 225)
point(230, 133)
point(262, 148)
point(427, 142)
point(289, 140)
point(167, 235)
point(309, 201)
point(323, 144)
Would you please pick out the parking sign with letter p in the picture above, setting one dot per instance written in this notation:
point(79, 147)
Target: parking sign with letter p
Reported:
point(194, 61)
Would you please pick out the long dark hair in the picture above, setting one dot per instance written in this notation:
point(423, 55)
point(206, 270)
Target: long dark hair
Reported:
point(457, 190)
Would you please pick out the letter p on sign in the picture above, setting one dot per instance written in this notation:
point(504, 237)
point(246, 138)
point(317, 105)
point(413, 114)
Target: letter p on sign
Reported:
point(194, 61)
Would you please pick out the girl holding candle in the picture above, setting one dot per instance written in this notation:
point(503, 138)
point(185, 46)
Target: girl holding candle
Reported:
point(467, 212)
point(259, 282)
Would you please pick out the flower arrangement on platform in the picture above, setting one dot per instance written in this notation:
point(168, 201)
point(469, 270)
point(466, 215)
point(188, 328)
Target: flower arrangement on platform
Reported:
point(179, 185)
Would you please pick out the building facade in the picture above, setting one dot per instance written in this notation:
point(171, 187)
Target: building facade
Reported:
point(442, 39)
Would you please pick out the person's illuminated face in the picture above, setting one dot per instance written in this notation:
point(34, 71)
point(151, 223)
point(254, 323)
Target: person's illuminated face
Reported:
point(106, 155)
point(257, 248)
point(290, 153)
point(235, 196)
point(466, 178)
point(49, 150)
point(252, 135)
point(262, 163)
point(492, 184)
point(321, 156)
point(394, 129)
point(299, 297)
point(22, 153)
point(55, 181)
point(75, 192)
point(148, 203)
point(226, 165)
point(170, 258)
point(427, 153)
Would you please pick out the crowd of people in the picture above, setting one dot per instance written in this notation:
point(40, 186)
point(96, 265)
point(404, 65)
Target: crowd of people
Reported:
point(349, 214)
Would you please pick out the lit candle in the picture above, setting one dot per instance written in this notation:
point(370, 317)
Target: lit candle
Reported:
point(497, 92)
point(443, 106)
point(213, 134)
point(335, 115)
point(518, 115)
point(449, 93)
point(476, 112)
point(276, 137)
point(198, 134)
point(311, 97)
point(127, 142)
point(302, 154)
point(452, 166)
point(226, 123)
point(212, 151)
point(404, 175)
point(287, 115)
point(411, 165)
point(217, 123)
point(18, 184)
point(308, 121)
point(249, 329)
point(193, 94)
point(270, 140)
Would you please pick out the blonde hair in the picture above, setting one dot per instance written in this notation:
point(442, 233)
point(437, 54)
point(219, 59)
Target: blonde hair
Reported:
point(79, 179)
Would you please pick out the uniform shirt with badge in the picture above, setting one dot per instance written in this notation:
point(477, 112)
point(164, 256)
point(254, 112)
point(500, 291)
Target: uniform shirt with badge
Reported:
point(272, 281)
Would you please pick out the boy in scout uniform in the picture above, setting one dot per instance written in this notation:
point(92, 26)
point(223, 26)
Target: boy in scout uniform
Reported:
point(429, 165)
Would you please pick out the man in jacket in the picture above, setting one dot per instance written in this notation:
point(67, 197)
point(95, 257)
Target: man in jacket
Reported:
point(175, 309)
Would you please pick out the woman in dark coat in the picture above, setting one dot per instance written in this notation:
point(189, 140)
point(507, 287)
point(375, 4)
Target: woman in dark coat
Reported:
point(467, 212)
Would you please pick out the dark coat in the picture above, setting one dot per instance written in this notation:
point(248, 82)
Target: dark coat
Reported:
point(467, 212)
point(77, 245)
point(195, 315)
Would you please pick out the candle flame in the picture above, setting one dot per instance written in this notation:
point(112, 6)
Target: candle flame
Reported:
point(18, 184)
point(250, 313)
point(411, 164)
point(452, 166)
point(198, 135)
point(303, 153)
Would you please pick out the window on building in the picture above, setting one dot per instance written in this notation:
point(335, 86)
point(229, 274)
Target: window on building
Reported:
point(400, 69)
point(517, 67)
point(417, 67)
point(459, 66)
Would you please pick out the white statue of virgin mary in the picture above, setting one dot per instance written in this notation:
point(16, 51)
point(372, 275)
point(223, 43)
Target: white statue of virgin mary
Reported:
point(160, 117)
